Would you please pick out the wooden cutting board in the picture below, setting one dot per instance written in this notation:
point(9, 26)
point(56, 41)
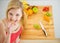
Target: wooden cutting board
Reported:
point(30, 32)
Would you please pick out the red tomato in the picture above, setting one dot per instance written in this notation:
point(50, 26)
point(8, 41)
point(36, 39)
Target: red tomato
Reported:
point(46, 9)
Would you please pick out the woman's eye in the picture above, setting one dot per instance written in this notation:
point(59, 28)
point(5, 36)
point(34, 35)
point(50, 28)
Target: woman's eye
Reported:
point(11, 14)
point(17, 14)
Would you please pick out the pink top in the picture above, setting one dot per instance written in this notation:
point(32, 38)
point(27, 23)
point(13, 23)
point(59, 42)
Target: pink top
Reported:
point(15, 35)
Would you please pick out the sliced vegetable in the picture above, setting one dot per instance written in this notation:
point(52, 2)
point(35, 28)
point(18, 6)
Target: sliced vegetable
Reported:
point(46, 9)
point(37, 26)
point(35, 9)
point(24, 2)
point(46, 18)
point(29, 12)
point(26, 6)
point(48, 14)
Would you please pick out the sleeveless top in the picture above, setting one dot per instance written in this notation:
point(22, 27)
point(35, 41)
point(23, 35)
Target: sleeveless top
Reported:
point(15, 35)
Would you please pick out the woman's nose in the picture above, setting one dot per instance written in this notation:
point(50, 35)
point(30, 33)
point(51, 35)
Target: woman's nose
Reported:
point(13, 18)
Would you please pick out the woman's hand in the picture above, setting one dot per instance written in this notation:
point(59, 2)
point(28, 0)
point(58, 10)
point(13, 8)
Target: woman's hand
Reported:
point(12, 27)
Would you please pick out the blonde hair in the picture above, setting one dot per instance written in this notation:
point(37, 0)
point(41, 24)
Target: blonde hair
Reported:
point(14, 4)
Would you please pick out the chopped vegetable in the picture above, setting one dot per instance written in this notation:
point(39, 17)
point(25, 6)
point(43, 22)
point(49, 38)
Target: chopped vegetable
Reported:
point(35, 9)
point(46, 18)
point(26, 6)
point(36, 26)
point(29, 12)
point(48, 14)
point(46, 9)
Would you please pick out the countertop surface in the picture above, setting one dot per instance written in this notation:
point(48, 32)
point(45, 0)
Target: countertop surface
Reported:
point(41, 41)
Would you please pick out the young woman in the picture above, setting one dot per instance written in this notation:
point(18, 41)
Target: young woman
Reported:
point(11, 26)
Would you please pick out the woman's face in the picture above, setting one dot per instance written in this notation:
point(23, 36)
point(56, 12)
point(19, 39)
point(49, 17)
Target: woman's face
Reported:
point(14, 15)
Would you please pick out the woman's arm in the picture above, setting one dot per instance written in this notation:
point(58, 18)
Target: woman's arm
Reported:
point(4, 38)
point(8, 36)
point(7, 39)
point(2, 32)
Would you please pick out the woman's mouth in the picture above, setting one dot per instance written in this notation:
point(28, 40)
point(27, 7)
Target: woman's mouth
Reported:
point(13, 20)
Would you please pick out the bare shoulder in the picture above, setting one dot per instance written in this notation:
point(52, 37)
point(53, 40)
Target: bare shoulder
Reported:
point(2, 21)
point(2, 24)
point(2, 31)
